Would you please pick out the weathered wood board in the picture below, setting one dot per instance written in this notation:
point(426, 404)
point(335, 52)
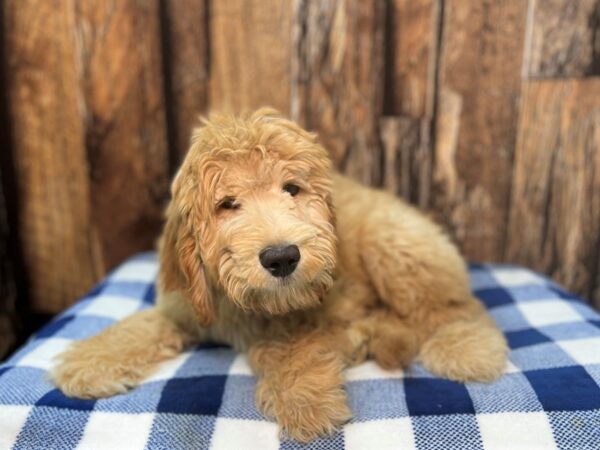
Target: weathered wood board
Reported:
point(186, 63)
point(85, 94)
point(555, 206)
point(119, 58)
point(564, 39)
point(338, 80)
point(60, 243)
point(250, 46)
point(479, 89)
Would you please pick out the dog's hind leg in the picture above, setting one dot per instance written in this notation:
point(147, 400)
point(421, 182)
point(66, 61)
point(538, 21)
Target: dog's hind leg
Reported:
point(119, 357)
point(420, 275)
point(466, 350)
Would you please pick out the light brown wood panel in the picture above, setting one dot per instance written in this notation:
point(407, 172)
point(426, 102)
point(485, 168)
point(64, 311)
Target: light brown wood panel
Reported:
point(250, 47)
point(60, 243)
point(555, 211)
point(564, 38)
point(338, 79)
point(119, 57)
point(479, 87)
point(185, 37)
point(411, 46)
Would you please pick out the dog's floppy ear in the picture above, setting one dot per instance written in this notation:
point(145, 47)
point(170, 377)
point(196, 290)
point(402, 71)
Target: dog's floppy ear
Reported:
point(181, 266)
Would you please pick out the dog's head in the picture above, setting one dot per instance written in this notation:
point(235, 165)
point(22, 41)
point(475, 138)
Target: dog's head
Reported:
point(250, 217)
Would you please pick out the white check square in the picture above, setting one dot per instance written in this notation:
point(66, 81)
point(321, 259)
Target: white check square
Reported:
point(246, 434)
point(370, 370)
point(116, 431)
point(169, 368)
point(12, 419)
point(111, 306)
point(380, 435)
point(512, 277)
point(43, 355)
point(140, 271)
point(548, 312)
point(516, 430)
point(584, 351)
point(240, 366)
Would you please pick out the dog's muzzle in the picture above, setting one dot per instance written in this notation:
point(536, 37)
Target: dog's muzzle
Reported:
point(280, 261)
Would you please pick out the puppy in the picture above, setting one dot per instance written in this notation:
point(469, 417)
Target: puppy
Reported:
point(267, 249)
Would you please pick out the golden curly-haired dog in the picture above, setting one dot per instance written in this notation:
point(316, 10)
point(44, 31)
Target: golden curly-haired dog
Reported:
point(265, 248)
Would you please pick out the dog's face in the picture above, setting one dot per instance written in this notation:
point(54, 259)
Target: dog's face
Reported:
point(251, 217)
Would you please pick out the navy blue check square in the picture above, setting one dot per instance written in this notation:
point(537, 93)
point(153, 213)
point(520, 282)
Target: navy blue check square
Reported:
point(494, 297)
point(197, 395)
point(525, 338)
point(565, 389)
point(434, 397)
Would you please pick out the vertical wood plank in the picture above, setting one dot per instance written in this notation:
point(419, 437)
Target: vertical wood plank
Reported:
point(555, 216)
point(8, 277)
point(411, 46)
point(185, 43)
point(338, 79)
point(250, 46)
point(61, 247)
point(119, 57)
point(412, 33)
point(564, 39)
point(10, 288)
point(479, 87)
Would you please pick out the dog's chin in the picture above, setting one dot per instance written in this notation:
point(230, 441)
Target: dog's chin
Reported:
point(281, 296)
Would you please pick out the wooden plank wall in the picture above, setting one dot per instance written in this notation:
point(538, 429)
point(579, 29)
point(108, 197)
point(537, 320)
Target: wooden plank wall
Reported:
point(486, 114)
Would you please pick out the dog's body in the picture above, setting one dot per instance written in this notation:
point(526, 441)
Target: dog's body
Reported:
point(305, 271)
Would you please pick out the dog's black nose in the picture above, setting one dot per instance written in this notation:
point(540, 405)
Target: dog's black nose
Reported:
point(280, 261)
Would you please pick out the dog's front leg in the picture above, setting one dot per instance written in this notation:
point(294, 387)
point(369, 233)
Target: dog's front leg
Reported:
point(300, 384)
point(120, 357)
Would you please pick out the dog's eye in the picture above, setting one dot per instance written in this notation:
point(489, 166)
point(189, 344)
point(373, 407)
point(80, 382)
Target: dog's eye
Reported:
point(292, 189)
point(229, 203)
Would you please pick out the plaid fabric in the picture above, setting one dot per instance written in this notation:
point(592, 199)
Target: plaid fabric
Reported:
point(548, 398)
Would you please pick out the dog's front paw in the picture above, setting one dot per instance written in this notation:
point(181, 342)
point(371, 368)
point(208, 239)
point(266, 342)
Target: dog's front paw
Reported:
point(304, 414)
point(82, 373)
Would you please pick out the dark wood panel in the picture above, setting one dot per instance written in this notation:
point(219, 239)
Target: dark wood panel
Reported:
point(185, 44)
point(564, 38)
point(8, 277)
point(119, 61)
point(479, 87)
point(555, 214)
point(412, 34)
point(60, 242)
point(338, 79)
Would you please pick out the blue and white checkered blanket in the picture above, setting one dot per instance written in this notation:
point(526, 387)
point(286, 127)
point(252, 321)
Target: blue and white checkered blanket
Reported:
point(548, 398)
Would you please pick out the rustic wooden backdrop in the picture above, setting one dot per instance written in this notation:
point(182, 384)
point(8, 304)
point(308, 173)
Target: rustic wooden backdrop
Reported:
point(485, 113)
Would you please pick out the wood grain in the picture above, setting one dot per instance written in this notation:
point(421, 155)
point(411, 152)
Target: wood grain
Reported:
point(250, 45)
point(564, 39)
point(476, 123)
point(411, 46)
point(411, 42)
point(338, 80)
point(555, 211)
point(120, 69)
point(185, 46)
point(60, 245)
point(406, 158)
